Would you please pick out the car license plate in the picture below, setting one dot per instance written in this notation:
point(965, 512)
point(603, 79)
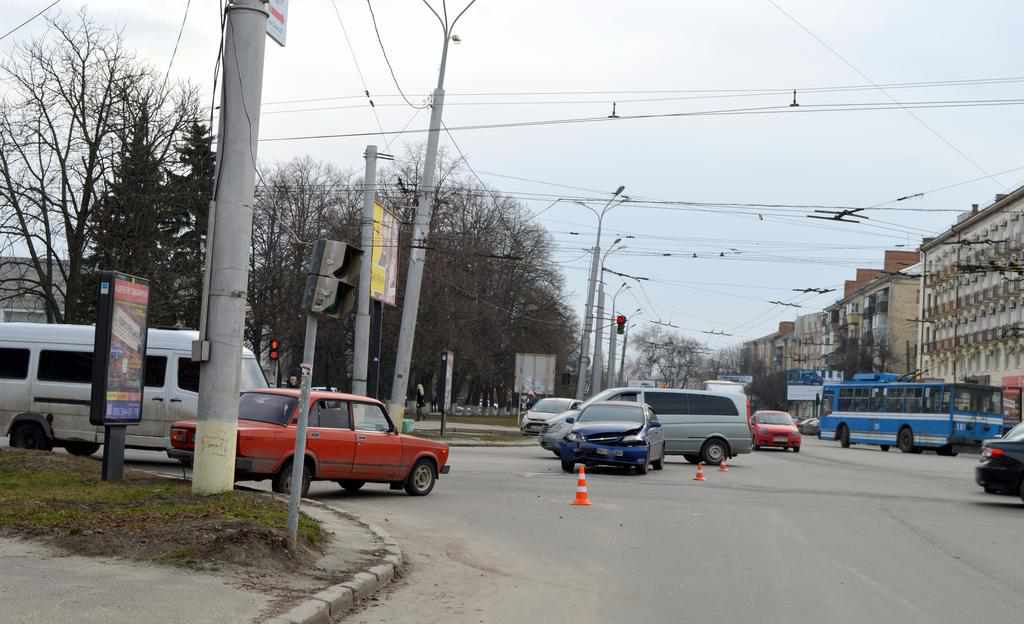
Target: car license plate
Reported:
point(781, 438)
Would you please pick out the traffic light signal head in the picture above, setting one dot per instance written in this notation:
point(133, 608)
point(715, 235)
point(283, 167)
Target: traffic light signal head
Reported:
point(620, 324)
point(332, 278)
point(275, 348)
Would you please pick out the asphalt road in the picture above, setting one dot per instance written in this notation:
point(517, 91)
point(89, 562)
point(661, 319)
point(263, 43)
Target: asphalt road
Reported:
point(827, 535)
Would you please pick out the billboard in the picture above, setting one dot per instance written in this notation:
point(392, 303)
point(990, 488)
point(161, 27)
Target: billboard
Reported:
point(120, 345)
point(805, 384)
point(384, 257)
point(535, 372)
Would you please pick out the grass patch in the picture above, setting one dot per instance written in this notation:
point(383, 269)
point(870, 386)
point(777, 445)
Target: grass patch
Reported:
point(60, 499)
point(477, 436)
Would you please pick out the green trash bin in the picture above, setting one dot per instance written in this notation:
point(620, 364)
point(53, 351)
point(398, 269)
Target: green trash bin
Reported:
point(408, 425)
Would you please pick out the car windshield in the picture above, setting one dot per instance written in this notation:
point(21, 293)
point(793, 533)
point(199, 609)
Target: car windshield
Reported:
point(551, 406)
point(774, 418)
point(612, 413)
point(265, 407)
point(1016, 434)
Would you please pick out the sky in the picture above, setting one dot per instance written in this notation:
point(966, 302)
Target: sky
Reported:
point(532, 60)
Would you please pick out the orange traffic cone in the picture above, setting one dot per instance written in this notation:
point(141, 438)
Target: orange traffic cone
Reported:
point(581, 489)
point(700, 473)
point(722, 467)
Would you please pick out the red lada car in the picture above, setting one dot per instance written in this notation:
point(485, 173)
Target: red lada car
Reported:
point(349, 439)
point(771, 428)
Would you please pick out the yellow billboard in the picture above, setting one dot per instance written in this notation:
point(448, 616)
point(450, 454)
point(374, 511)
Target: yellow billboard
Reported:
point(384, 256)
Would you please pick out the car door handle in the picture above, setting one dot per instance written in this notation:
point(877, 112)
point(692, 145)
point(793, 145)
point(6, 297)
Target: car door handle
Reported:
point(360, 437)
point(175, 400)
point(158, 399)
point(314, 434)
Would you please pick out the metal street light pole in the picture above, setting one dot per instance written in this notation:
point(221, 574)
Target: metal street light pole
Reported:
point(597, 371)
point(588, 312)
point(421, 229)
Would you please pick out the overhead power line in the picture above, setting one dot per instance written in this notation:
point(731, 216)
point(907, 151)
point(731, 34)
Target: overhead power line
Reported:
point(177, 41)
point(881, 89)
point(762, 110)
point(384, 53)
point(28, 21)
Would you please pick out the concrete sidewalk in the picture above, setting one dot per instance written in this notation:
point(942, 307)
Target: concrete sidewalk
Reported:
point(435, 425)
point(42, 585)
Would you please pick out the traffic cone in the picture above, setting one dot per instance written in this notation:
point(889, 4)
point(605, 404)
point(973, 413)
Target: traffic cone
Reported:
point(700, 473)
point(722, 467)
point(582, 498)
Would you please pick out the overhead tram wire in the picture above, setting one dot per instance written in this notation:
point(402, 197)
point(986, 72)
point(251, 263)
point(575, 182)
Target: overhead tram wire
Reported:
point(881, 89)
point(761, 110)
point(384, 53)
point(780, 90)
point(29, 20)
point(177, 41)
point(355, 62)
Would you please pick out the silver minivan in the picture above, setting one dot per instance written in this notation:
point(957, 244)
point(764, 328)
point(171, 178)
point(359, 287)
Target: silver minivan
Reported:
point(700, 425)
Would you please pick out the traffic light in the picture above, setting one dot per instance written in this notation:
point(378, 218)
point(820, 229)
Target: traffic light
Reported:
point(620, 324)
point(275, 349)
point(333, 277)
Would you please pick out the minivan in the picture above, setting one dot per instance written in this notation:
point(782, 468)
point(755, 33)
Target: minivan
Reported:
point(701, 425)
point(46, 382)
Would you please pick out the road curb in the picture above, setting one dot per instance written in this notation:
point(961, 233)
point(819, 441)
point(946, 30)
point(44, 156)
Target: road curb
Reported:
point(334, 602)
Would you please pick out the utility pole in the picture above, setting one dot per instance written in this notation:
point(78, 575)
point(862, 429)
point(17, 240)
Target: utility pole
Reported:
point(421, 230)
point(588, 314)
point(219, 348)
point(612, 333)
point(361, 348)
point(597, 368)
point(588, 318)
point(622, 360)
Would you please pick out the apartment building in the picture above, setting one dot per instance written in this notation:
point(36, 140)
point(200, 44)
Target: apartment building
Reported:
point(972, 303)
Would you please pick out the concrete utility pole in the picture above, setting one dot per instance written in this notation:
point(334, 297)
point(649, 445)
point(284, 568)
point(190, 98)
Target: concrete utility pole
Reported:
point(597, 371)
point(597, 367)
point(219, 348)
point(622, 360)
point(421, 230)
point(612, 333)
point(588, 311)
point(361, 347)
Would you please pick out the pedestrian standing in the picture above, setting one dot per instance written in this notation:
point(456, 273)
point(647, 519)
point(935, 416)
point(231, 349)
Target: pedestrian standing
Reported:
point(420, 401)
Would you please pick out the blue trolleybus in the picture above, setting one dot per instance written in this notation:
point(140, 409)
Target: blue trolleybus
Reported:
point(876, 408)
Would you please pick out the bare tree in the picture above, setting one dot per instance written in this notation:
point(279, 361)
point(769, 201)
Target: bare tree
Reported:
point(75, 94)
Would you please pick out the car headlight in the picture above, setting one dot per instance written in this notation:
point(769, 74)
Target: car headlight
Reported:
point(573, 437)
point(633, 439)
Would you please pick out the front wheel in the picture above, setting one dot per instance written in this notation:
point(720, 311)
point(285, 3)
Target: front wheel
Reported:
point(642, 468)
point(282, 483)
point(659, 463)
point(568, 466)
point(796, 449)
point(421, 479)
point(81, 449)
point(884, 448)
point(905, 440)
point(844, 436)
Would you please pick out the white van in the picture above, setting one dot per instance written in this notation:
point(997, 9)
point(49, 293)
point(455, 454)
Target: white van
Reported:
point(700, 425)
point(46, 382)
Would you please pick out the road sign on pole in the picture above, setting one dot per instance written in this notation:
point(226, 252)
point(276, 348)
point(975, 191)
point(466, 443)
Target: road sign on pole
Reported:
point(277, 21)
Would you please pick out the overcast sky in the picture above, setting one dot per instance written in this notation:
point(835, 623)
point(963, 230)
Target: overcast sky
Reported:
point(661, 51)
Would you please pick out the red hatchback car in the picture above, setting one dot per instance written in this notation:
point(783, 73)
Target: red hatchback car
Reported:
point(349, 439)
point(776, 429)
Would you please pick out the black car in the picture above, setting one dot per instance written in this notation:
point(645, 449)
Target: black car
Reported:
point(1001, 470)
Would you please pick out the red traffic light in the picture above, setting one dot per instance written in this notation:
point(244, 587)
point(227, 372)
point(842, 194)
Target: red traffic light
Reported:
point(275, 348)
point(620, 322)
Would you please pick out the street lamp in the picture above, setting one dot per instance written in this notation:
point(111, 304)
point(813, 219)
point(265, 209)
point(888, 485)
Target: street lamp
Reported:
point(588, 312)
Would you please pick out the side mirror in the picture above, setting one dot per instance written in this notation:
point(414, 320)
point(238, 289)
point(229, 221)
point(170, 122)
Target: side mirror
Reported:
point(654, 424)
point(570, 420)
point(575, 405)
